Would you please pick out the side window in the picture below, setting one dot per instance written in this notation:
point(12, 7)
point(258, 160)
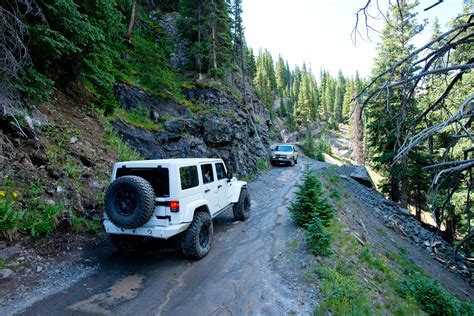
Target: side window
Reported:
point(220, 171)
point(189, 177)
point(207, 173)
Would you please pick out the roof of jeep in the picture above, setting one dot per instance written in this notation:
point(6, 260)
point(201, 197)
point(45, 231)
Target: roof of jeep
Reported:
point(176, 161)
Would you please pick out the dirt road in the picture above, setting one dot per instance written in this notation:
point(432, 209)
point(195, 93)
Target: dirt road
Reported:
point(249, 270)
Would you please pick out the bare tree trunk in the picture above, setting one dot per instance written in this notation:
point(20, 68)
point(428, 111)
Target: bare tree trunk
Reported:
point(394, 186)
point(131, 23)
point(214, 40)
point(450, 230)
point(358, 134)
point(199, 58)
point(404, 185)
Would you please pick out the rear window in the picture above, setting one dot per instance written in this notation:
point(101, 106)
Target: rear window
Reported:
point(158, 178)
point(284, 148)
point(189, 177)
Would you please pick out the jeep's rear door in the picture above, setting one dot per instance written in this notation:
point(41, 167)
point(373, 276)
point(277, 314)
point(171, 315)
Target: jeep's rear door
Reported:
point(222, 185)
point(209, 187)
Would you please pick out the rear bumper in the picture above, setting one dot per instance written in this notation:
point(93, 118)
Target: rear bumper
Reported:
point(151, 231)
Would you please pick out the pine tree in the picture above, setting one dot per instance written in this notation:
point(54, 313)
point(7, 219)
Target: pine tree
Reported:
point(330, 94)
point(339, 100)
point(281, 76)
point(250, 65)
point(238, 38)
point(303, 105)
point(206, 25)
point(264, 81)
point(387, 130)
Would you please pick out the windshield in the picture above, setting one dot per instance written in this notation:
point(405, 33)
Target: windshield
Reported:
point(283, 148)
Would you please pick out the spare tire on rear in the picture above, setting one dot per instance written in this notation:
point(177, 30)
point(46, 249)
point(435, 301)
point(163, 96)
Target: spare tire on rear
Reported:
point(129, 201)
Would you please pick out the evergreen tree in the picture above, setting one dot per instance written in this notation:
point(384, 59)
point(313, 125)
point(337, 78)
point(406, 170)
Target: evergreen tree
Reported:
point(289, 78)
point(238, 38)
point(339, 100)
point(264, 81)
point(322, 93)
point(303, 106)
point(250, 65)
point(281, 76)
point(206, 25)
point(347, 104)
point(330, 94)
point(388, 129)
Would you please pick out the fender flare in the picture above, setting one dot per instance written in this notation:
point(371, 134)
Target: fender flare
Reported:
point(237, 188)
point(192, 207)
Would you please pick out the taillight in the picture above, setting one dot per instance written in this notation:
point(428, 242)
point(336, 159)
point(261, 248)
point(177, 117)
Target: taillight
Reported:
point(174, 206)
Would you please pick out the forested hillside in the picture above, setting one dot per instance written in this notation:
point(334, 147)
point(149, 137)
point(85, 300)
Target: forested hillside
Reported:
point(85, 85)
point(165, 76)
point(410, 119)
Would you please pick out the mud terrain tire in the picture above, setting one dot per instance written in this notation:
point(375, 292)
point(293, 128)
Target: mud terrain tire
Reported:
point(242, 207)
point(129, 201)
point(197, 239)
point(127, 244)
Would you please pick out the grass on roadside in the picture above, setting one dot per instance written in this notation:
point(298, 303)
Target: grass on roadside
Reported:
point(357, 280)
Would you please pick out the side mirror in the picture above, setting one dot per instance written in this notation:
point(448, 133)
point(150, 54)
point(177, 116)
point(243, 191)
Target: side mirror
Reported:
point(229, 176)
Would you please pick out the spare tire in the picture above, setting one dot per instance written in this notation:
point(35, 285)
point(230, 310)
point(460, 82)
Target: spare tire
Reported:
point(129, 201)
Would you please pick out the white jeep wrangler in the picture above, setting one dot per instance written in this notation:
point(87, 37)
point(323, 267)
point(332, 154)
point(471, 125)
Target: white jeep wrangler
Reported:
point(164, 198)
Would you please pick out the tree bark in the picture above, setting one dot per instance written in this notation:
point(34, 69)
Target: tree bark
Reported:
point(199, 57)
point(214, 39)
point(358, 127)
point(404, 191)
point(394, 186)
point(131, 23)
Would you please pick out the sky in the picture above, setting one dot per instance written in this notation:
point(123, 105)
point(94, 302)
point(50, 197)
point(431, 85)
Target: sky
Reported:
point(319, 31)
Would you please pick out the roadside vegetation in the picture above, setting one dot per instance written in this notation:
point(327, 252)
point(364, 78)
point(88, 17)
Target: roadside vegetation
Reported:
point(354, 278)
point(312, 211)
point(316, 150)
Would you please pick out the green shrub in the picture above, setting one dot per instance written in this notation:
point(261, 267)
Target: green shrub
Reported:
point(310, 199)
point(432, 298)
point(262, 165)
point(311, 149)
point(10, 217)
point(312, 211)
point(41, 218)
point(115, 143)
point(375, 261)
point(81, 224)
point(318, 238)
point(344, 295)
point(139, 118)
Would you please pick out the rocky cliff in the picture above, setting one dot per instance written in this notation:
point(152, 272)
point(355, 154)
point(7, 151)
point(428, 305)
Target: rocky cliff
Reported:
point(219, 126)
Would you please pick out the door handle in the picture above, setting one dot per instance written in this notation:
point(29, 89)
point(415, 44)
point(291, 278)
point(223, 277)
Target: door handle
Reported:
point(207, 190)
point(219, 186)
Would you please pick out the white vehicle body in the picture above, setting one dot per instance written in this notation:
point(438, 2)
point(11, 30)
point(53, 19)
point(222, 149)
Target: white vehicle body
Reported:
point(189, 193)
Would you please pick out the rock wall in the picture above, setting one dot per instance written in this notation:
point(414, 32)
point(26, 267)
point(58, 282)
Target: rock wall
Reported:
point(222, 127)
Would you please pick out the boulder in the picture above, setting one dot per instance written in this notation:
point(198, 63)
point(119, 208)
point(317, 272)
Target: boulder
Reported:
point(6, 273)
point(174, 126)
point(360, 174)
point(10, 252)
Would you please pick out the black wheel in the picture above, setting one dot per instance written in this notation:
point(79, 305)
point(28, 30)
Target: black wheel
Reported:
point(129, 201)
point(197, 239)
point(292, 162)
point(127, 244)
point(273, 163)
point(296, 160)
point(242, 207)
